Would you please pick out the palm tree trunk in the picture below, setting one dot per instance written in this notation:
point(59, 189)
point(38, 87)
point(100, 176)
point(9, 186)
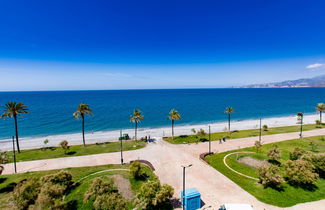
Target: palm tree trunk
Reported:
point(173, 128)
point(83, 130)
point(16, 129)
point(135, 130)
point(229, 122)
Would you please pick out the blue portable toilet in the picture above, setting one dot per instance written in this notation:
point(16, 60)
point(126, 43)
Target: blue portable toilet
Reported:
point(192, 199)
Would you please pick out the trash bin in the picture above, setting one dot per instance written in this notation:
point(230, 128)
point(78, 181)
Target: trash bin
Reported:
point(192, 199)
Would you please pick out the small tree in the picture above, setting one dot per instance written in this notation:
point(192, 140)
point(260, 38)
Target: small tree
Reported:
point(269, 176)
point(258, 145)
point(300, 172)
point(46, 141)
point(137, 170)
point(296, 153)
point(201, 134)
point(193, 130)
point(274, 154)
point(265, 128)
point(65, 146)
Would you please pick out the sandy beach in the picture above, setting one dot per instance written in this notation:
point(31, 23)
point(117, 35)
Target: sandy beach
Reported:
point(104, 136)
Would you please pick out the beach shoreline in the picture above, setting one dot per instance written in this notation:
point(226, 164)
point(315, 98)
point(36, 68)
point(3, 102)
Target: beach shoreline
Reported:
point(108, 136)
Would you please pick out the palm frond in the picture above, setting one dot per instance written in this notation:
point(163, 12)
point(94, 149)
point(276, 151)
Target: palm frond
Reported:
point(174, 115)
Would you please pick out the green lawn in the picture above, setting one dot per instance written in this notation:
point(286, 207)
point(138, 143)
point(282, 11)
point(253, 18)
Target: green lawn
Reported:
point(290, 195)
point(8, 181)
point(76, 150)
point(186, 139)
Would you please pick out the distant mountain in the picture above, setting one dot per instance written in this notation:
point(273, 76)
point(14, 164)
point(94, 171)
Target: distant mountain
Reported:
point(318, 81)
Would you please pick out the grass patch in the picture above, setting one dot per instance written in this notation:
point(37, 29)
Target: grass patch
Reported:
point(76, 150)
point(76, 194)
point(290, 195)
point(187, 139)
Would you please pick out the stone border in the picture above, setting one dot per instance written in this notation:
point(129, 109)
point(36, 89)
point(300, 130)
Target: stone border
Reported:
point(203, 155)
point(224, 161)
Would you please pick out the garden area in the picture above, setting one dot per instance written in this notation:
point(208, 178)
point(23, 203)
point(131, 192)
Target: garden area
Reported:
point(202, 135)
point(281, 174)
point(100, 187)
point(64, 150)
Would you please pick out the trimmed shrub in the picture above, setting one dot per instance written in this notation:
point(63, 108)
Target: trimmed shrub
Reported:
point(318, 161)
point(99, 187)
point(274, 154)
point(152, 194)
point(296, 153)
point(25, 193)
point(3, 160)
point(113, 201)
point(51, 197)
point(300, 172)
point(269, 176)
point(62, 178)
point(137, 171)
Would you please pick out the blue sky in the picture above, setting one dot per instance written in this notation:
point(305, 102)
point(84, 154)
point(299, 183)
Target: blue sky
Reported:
point(61, 45)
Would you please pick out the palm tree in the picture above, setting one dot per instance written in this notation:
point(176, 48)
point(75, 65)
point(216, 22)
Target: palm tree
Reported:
point(229, 110)
point(82, 110)
point(136, 117)
point(174, 115)
point(13, 109)
point(321, 108)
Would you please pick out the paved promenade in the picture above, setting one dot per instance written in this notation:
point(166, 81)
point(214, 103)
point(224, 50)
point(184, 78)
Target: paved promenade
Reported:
point(167, 159)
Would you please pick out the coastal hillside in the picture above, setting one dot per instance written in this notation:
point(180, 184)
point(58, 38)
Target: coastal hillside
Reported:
point(318, 81)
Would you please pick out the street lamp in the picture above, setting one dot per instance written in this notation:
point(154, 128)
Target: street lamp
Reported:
point(13, 147)
point(260, 137)
point(121, 139)
point(209, 139)
point(183, 199)
point(300, 116)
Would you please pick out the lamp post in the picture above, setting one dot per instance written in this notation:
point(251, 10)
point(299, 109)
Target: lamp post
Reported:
point(183, 199)
point(209, 139)
point(121, 139)
point(260, 137)
point(13, 147)
point(300, 118)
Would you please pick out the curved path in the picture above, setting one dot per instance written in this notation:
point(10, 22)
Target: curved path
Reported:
point(167, 159)
point(224, 162)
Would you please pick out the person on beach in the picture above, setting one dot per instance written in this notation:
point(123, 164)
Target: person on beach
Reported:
point(220, 142)
point(224, 139)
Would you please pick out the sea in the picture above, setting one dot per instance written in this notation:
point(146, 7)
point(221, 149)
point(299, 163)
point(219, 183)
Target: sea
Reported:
point(50, 112)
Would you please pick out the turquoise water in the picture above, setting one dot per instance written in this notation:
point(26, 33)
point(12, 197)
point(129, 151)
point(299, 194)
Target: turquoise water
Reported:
point(51, 111)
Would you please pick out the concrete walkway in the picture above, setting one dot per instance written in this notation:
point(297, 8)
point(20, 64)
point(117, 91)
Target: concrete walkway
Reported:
point(167, 159)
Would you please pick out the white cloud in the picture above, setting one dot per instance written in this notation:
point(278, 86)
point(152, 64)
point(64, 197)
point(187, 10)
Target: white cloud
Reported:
point(315, 66)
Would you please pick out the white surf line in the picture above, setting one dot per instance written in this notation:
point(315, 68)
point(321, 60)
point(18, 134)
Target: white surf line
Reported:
point(224, 161)
point(98, 172)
